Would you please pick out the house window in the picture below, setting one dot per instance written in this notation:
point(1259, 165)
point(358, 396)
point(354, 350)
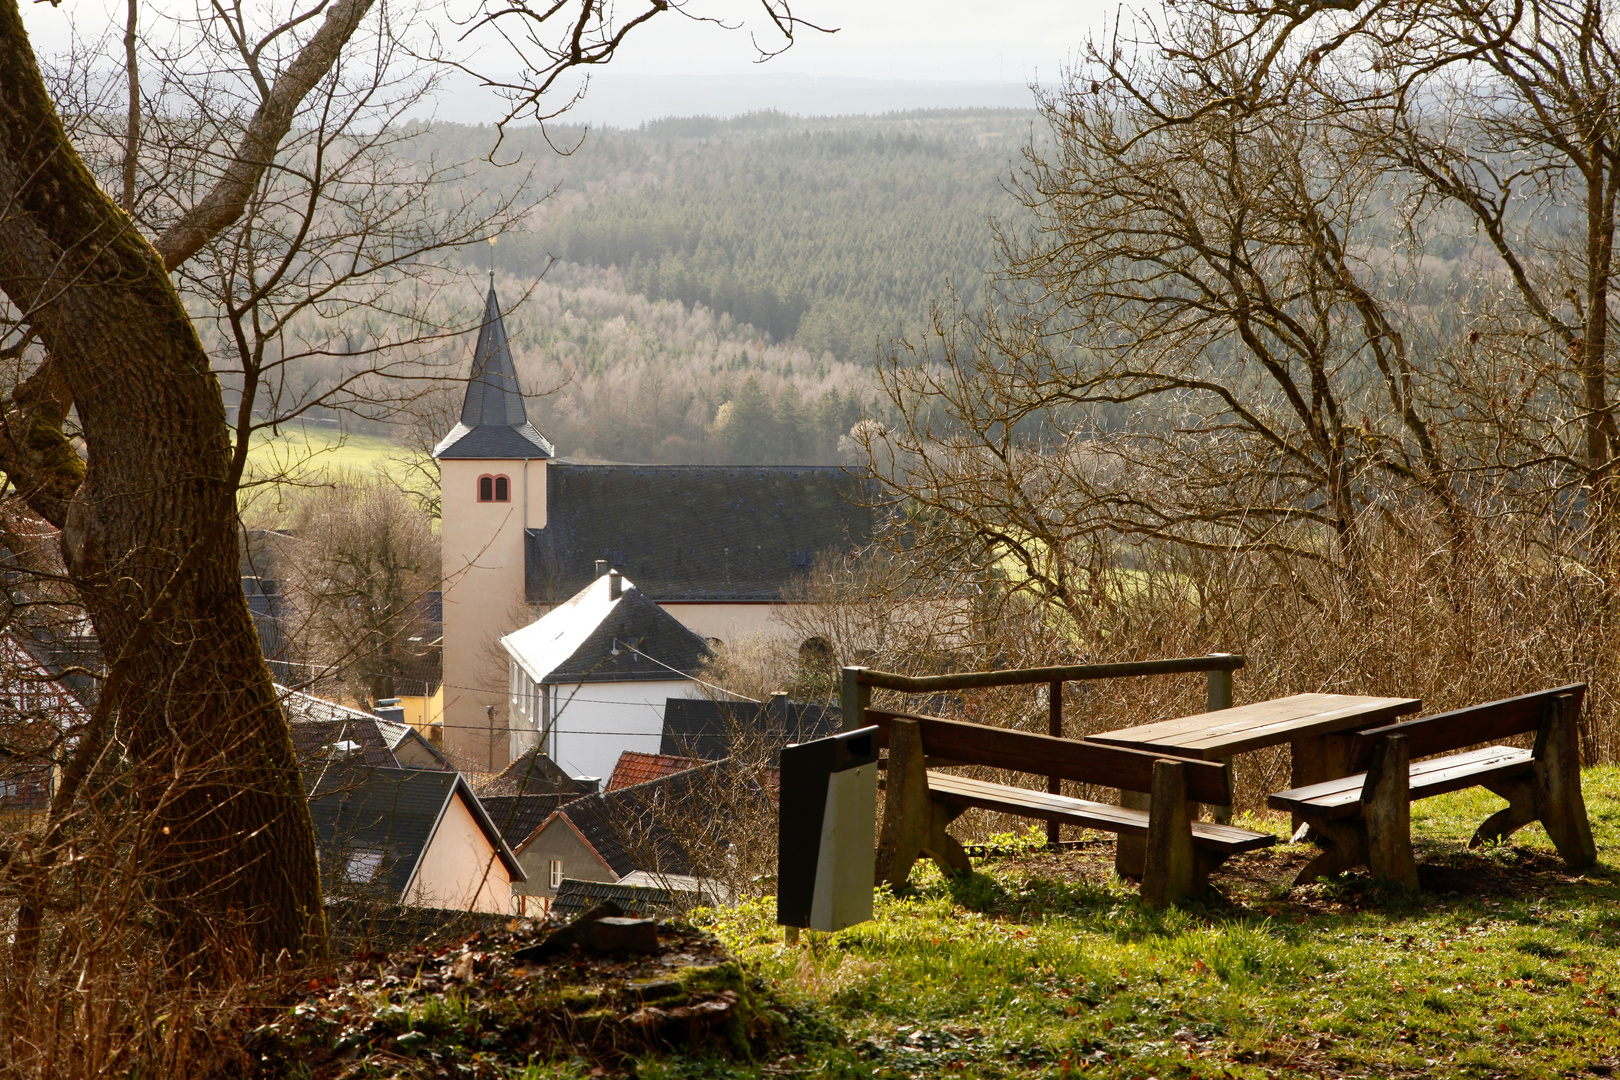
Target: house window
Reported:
point(556, 873)
point(494, 489)
point(362, 866)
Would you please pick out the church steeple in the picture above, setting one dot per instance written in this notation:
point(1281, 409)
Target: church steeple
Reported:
point(494, 424)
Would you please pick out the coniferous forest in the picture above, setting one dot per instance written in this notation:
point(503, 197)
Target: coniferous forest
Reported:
point(722, 289)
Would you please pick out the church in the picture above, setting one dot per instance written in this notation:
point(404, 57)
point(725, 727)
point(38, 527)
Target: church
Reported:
point(522, 530)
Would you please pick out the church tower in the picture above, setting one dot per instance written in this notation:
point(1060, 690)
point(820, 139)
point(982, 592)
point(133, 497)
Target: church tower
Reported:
point(492, 486)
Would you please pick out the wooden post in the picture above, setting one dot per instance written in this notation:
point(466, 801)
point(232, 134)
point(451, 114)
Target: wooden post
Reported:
point(1054, 727)
point(913, 823)
point(906, 812)
point(1312, 760)
point(1386, 807)
point(1559, 803)
point(1217, 697)
point(1170, 867)
point(853, 698)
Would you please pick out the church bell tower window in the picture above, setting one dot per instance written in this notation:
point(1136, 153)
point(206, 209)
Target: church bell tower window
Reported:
point(494, 489)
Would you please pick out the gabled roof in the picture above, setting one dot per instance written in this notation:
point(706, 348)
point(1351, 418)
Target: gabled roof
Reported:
point(708, 729)
point(597, 637)
point(494, 424)
point(686, 532)
point(535, 774)
point(635, 767)
point(647, 823)
point(325, 733)
point(393, 812)
point(519, 815)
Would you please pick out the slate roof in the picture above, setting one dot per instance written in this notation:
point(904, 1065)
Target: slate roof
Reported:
point(577, 897)
point(320, 728)
point(706, 729)
point(594, 637)
point(635, 767)
point(494, 424)
point(394, 812)
point(533, 773)
point(686, 532)
point(519, 815)
point(645, 823)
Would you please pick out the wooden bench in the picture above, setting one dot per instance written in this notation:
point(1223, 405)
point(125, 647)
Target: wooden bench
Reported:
point(1365, 818)
point(920, 802)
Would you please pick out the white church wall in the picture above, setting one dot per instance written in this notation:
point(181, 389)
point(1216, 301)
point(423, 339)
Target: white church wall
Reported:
point(727, 622)
point(593, 723)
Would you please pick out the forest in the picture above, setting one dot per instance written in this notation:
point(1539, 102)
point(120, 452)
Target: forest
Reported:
point(765, 262)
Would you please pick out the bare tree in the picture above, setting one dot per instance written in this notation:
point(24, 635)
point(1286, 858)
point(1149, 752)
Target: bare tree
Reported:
point(1204, 339)
point(358, 565)
point(147, 515)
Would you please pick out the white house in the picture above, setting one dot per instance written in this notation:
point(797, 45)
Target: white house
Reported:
point(589, 679)
point(522, 528)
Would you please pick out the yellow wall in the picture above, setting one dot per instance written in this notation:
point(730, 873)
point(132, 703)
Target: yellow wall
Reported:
point(423, 712)
point(483, 599)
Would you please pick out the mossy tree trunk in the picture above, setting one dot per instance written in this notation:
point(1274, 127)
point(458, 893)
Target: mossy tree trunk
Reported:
point(148, 532)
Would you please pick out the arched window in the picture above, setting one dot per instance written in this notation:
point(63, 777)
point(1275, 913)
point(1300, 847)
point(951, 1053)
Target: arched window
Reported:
point(494, 489)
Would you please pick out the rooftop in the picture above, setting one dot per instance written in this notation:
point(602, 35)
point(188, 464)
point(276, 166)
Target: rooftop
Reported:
point(494, 423)
point(635, 767)
point(686, 532)
point(598, 637)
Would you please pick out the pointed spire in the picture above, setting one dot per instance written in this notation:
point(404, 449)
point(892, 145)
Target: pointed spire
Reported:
point(494, 424)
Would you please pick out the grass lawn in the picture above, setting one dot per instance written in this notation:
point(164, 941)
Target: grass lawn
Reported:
point(1045, 965)
point(278, 464)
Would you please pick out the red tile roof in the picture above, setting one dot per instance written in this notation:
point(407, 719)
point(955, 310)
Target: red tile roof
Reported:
point(635, 767)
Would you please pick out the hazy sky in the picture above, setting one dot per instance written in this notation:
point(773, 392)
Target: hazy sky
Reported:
point(953, 40)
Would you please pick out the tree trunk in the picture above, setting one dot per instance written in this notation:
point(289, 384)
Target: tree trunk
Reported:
point(149, 539)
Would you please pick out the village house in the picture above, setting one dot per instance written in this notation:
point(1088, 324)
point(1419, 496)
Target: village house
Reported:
point(413, 837)
point(37, 714)
point(717, 547)
point(589, 679)
point(648, 830)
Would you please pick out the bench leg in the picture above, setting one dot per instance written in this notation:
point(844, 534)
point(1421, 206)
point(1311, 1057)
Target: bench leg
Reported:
point(913, 823)
point(1171, 869)
point(1344, 845)
point(1386, 807)
point(1559, 803)
point(942, 847)
point(1519, 812)
point(1205, 863)
point(908, 813)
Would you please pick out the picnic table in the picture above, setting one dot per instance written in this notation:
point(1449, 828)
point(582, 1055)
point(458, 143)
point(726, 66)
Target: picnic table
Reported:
point(1319, 729)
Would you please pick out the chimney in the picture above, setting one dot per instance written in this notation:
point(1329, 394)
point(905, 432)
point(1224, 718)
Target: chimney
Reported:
point(776, 711)
point(615, 584)
point(601, 567)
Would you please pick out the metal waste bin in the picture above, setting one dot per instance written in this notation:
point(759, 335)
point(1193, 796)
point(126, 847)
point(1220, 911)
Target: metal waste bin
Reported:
point(824, 854)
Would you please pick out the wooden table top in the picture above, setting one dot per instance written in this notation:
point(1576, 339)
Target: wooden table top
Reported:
point(1265, 723)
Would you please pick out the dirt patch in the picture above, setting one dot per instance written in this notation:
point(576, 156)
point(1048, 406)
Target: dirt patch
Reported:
point(1263, 881)
point(469, 1008)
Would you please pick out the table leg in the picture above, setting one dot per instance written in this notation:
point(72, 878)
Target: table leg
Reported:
point(1222, 815)
point(1130, 852)
point(1315, 759)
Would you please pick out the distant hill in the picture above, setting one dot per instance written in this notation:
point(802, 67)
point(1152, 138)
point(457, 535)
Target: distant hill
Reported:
point(835, 233)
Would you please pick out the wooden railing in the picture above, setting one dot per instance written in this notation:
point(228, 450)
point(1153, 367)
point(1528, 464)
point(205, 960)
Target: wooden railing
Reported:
point(856, 689)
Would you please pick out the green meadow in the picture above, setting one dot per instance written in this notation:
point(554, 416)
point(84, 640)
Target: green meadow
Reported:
point(1042, 965)
point(281, 463)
